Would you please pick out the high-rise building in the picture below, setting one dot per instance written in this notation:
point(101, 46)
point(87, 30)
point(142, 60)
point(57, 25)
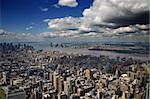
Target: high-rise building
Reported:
point(88, 74)
point(50, 77)
point(66, 87)
point(123, 96)
point(55, 76)
point(114, 97)
point(34, 80)
point(1, 75)
point(39, 94)
point(101, 86)
point(46, 75)
point(33, 95)
point(62, 96)
point(123, 87)
point(71, 84)
point(13, 92)
point(4, 77)
point(2, 93)
point(117, 73)
point(58, 81)
point(59, 84)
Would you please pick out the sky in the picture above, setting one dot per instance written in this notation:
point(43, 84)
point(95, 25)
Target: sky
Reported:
point(21, 15)
point(43, 19)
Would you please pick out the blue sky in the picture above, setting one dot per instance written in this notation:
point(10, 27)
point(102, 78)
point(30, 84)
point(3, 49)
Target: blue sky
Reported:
point(42, 19)
point(17, 15)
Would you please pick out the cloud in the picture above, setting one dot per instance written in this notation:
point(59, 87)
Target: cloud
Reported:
point(90, 34)
point(46, 20)
point(132, 30)
point(127, 29)
point(108, 10)
point(105, 18)
point(63, 23)
point(138, 18)
point(47, 34)
point(1, 31)
point(143, 27)
point(5, 35)
point(56, 6)
point(61, 33)
point(44, 9)
point(76, 27)
point(29, 28)
point(116, 13)
point(68, 3)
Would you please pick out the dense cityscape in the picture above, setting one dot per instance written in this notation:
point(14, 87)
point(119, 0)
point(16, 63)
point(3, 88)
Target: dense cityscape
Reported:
point(74, 49)
point(27, 73)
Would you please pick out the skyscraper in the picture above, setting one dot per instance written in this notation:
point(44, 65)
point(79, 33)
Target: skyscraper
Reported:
point(58, 82)
point(88, 74)
point(14, 92)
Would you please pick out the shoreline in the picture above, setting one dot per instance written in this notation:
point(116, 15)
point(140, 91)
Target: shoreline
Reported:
point(84, 51)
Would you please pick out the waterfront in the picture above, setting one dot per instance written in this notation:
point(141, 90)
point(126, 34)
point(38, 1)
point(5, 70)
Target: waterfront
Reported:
point(84, 51)
point(45, 46)
point(52, 73)
point(74, 49)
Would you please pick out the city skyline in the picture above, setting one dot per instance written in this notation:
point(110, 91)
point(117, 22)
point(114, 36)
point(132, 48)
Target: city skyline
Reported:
point(74, 49)
point(37, 74)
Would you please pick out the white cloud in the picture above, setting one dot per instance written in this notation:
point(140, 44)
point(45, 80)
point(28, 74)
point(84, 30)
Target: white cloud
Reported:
point(46, 20)
point(94, 20)
point(106, 9)
point(64, 23)
point(77, 27)
point(131, 28)
point(61, 33)
point(29, 28)
point(85, 27)
point(1, 31)
point(47, 34)
point(44, 9)
point(143, 26)
point(126, 29)
point(90, 34)
point(69, 3)
point(56, 6)
point(5, 35)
